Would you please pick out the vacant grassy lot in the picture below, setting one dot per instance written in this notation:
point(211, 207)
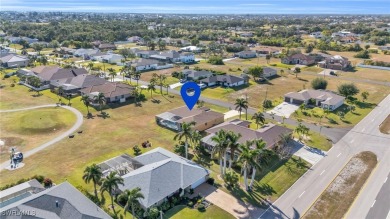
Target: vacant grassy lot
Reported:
point(26, 130)
point(367, 73)
point(19, 97)
point(385, 126)
point(338, 197)
point(182, 211)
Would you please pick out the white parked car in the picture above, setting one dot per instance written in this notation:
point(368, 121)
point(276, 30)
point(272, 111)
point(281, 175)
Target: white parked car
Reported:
point(202, 86)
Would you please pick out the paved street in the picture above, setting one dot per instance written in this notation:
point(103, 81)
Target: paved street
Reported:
point(365, 136)
point(380, 207)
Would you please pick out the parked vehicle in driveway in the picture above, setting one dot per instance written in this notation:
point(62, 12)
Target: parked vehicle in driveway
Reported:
point(202, 86)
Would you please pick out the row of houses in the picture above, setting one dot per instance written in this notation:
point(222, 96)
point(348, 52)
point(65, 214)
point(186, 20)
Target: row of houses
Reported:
point(74, 81)
point(336, 62)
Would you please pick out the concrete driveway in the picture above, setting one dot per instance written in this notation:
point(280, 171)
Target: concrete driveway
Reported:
point(311, 155)
point(231, 113)
point(227, 202)
point(284, 109)
point(173, 86)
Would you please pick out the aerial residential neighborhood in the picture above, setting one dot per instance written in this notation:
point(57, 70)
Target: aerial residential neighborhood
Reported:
point(207, 110)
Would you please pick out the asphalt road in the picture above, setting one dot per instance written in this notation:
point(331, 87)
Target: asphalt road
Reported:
point(381, 205)
point(65, 134)
point(365, 136)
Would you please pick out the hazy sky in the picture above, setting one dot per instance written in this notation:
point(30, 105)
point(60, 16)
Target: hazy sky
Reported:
point(204, 6)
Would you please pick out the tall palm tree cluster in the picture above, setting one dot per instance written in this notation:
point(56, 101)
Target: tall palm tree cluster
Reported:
point(188, 134)
point(110, 184)
point(252, 155)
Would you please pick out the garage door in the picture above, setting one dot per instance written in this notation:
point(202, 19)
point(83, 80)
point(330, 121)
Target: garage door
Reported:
point(297, 102)
point(197, 183)
point(287, 99)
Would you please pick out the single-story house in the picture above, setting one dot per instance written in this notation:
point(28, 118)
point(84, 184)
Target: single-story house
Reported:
point(134, 39)
point(168, 56)
point(18, 39)
point(267, 51)
point(248, 34)
point(160, 174)
point(246, 54)
point(196, 75)
point(145, 64)
point(269, 72)
point(14, 61)
point(187, 57)
point(109, 58)
point(317, 35)
point(319, 98)
point(270, 133)
point(204, 118)
point(107, 46)
point(299, 58)
point(145, 53)
point(74, 84)
point(384, 48)
point(336, 62)
point(224, 80)
point(60, 201)
point(86, 53)
point(194, 49)
point(54, 73)
point(113, 91)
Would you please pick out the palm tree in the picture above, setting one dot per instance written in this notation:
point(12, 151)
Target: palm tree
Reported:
point(186, 133)
point(241, 104)
point(90, 66)
point(195, 139)
point(152, 89)
point(132, 196)
point(100, 99)
point(247, 159)
point(160, 78)
point(137, 74)
point(111, 184)
point(86, 101)
point(60, 92)
point(233, 145)
point(262, 157)
point(220, 148)
point(301, 130)
point(112, 73)
point(124, 71)
point(93, 173)
point(259, 118)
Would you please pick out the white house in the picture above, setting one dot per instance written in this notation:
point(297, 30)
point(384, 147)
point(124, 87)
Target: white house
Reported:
point(191, 49)
point(320, 98)
point(269, 72)
point(223, 80)
point(145, 64)
point(187, 57)
point(316, 35)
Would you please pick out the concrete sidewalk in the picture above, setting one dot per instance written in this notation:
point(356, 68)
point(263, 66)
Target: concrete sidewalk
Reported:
point(311, 155)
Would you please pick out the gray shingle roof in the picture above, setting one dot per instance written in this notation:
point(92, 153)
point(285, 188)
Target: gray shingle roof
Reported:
point(326, 97)
point(163, 174)
point(71, 204)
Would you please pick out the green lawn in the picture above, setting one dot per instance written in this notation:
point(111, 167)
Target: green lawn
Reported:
point(184, 212)
point(26, 130)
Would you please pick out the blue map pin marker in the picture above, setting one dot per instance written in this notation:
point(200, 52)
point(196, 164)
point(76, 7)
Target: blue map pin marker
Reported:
point(192, 98)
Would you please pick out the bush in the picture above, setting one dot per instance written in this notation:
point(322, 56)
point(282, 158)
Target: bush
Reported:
point(231, 179)
point(210, 181)
point(47, 182)
point(165, 206)
point(190, 204)
point(39, 178)
point(319, 83)
point(348, 90)
point(215, 60)
point(362, 54)
point(191, 191)
point(12, 85)
point(267, 104)
point(137, 150)
point(201, 208)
